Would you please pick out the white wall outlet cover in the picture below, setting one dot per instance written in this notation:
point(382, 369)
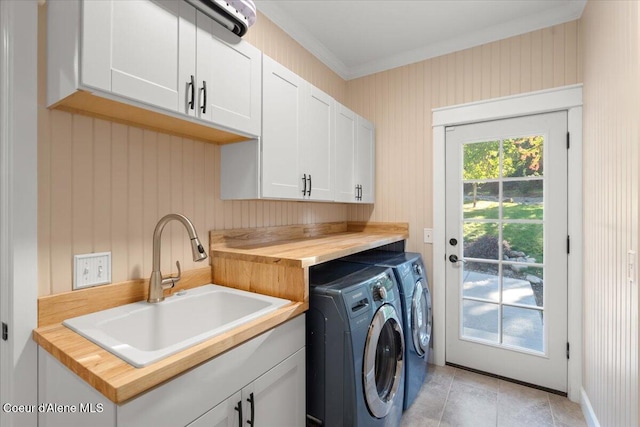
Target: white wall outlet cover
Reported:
point(91, 270)
point(428, 235)
point(631, 266)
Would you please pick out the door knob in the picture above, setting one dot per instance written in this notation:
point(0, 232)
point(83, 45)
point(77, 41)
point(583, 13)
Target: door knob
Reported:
point(454, 259)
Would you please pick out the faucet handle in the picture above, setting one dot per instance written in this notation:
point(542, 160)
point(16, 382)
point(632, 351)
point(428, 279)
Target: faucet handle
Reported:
point(171, 281)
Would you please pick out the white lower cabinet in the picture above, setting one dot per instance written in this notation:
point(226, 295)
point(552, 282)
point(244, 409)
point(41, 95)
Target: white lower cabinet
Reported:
point(265, 376)
point(277, 398)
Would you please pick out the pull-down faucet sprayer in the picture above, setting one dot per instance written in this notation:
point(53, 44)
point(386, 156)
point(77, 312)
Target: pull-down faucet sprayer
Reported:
point(156, 283)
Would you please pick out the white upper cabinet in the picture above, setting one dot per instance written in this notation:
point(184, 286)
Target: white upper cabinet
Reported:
point(228, 77)
point(312, 147)
point(345, 149)
point(158, 55)
point(296, 150)
point(316, 144)
point(143, 50)
point(355, 157)
point(365, 160)
point(282, 98)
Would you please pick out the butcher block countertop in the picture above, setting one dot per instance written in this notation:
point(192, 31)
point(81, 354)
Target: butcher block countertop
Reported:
point(273, 261)
point(304, 245)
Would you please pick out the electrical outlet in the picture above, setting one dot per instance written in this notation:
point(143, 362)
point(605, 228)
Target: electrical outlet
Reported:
point(428, 235)
point(631, 266)
point(91, 270)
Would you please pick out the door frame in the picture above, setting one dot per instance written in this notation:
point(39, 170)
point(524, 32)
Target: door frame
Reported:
point(18, 206)
point(567, 98)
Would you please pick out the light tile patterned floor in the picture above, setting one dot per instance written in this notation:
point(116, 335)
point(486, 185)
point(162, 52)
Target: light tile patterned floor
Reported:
point(455, 397)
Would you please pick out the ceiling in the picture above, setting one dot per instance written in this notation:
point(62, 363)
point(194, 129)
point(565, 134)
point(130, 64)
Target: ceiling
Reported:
point(356, 38)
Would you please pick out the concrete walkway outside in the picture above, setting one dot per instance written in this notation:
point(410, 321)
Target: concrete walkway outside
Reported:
point(521, 327)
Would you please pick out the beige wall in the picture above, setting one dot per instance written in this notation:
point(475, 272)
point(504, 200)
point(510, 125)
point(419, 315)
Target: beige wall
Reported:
point(611, 34)
point(102, 186)
point(400, 101)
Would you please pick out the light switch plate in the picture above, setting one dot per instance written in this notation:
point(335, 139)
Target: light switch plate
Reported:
point(91, 270)
point(428, 235)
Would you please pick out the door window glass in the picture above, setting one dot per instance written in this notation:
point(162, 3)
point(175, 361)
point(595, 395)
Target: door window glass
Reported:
point(503, 242)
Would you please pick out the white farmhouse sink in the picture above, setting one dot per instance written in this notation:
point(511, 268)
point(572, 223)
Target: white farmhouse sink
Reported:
point(142, 333)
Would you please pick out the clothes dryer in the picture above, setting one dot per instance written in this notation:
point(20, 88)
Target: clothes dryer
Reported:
point(355, 347)
point(416, 307)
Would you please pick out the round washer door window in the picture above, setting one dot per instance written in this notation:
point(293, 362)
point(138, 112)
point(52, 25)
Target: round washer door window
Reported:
point(383, 361)
point(421, 318)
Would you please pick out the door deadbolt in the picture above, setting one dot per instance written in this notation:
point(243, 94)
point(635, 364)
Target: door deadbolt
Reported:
point(453, 242)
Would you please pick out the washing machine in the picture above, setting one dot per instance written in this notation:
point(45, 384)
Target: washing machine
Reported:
point(355, 347)
point(416, 308)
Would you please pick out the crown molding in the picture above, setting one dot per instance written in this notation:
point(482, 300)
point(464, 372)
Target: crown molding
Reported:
point(304, 37)
point(548, 18)
point(491, 34)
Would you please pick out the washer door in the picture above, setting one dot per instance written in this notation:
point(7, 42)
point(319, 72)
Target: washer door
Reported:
point(383, 361)
point(421, 318)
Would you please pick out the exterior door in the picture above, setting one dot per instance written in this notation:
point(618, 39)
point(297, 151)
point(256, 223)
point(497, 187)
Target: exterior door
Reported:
point(506, 231)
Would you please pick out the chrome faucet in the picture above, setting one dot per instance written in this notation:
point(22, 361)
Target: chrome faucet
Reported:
point(156, 283)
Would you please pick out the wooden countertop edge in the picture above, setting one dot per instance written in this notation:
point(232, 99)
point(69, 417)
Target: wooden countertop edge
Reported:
point(119, 381)
point(370, 240)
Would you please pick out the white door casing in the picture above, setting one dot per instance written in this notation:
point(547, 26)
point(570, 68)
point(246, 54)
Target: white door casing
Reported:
point(567, 98)
point(18, 207)
point(506, 313)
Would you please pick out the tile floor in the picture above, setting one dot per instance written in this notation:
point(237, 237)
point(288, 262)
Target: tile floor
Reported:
point(455, 397)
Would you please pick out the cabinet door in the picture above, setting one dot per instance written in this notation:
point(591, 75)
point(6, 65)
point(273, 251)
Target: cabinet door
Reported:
point(140, 49)
point(316, 144)
point(281, 108)
point(225, 414)
point(231, 69)
point(278, 396)
point(345, 146)
point(365, 159)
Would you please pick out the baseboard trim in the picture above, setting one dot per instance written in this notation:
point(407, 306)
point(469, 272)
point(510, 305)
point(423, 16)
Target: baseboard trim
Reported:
point(587, 409)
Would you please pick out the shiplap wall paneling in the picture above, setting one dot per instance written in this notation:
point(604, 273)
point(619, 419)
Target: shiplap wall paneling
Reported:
point(399, 102)
point(611, 157)
point(108, 184)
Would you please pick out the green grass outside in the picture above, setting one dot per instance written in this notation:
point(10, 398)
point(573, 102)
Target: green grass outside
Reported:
point(526, 238)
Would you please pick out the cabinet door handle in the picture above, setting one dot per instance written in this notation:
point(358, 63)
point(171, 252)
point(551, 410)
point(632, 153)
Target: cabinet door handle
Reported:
point(239, 409)
point(192, 85)
point(357, 191)
point(309, 194)
point(304, 183)
point(203, 90)
point(250, 400)
point(360, 192)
